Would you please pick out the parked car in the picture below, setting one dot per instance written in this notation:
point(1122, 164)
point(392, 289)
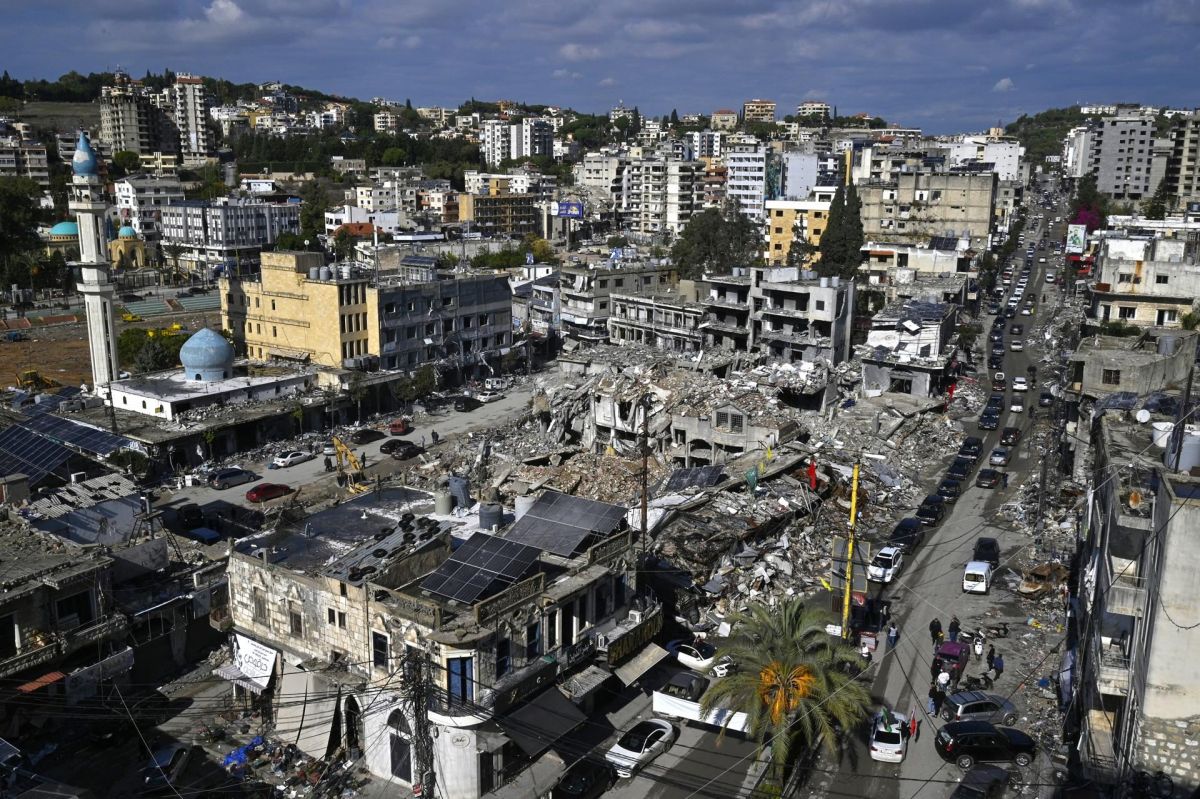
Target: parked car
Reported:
point(366, 435)
point(686, 685)
point(885, 565)
point(984, 781)
point(960, 468)
point(392, 444)
point(977, 577)
point(999, 457)
point(230, 476)
point(1045, 399)
point(1017, 405)
point(407, 450)
point(995, 362)
point(949, 490)
point(1020, 384)
point(291, 459)
point(1016, 345)
point(399, 427)
point(972, 447)
point(266, 491)
point(1009, 436)
point(465, 403)
point(1017, 329)
point(587, 779)
point(932, 510)
point(978, 706)
point(999, 381)
point(907, 534)
point(988, 478)
point(639, 745)
point(987, 549)
point(989, 420)
point(969, 742)
point(697, 655)
point(489, 396)
point(888, 743)
point(995, 402)
point(166, 766)
point(329, 449)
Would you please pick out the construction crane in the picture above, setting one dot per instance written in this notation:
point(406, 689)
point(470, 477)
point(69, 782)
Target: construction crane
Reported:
point(349, 467)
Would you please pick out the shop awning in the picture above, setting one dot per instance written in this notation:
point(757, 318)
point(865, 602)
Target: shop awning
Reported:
point(642, 662)
point(580, 685)
point(41, 682)
point(541, 721)
point(306, 706)
point(288, 355)
point(232, 673)
point(537, 780)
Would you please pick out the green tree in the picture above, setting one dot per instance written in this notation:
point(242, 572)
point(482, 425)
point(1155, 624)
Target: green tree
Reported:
point(289, 241)
point(1156, 206)
point(394, 156)
point(173, 252)
point(833, 240)
point(343, 244)
point(792, 680)
point(852, 232)
point(715, 240)
point(424, 382)
point(154, 356)
point(314, 202)
point(800, 251)
point(19, 199)
point(126, 163)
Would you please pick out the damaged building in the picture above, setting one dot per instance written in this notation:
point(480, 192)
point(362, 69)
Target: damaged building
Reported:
point(1155, 359)
point(580, 306)
point(909, 349)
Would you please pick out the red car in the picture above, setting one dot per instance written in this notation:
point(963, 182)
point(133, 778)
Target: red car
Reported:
point(399, 427)
point(265, 491)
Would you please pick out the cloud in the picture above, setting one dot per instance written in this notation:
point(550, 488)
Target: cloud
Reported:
point(412, 42)
point(224, 12)
point(816, 94)
point(565, 74)
point(1004, 85)
point(578, 52)
point(607, 82)
point(385, 42)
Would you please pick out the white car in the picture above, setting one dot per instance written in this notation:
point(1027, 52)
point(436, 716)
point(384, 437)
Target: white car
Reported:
point(639, 745)
point(696, 655)
point(489, 396)
point(885, 565)
point(888, 743)
point(1017, 405)
point(1020, 384)
point(999, 457)
point(291, 459)
point(1016, 345)
point(1026, 311)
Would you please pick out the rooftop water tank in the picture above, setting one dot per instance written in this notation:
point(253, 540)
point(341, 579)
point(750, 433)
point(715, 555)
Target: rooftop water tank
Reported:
point(1167, 345)
point(443, 503)
point(325, 273)
point(491, 515)
point(314, 273)
point(523, 504)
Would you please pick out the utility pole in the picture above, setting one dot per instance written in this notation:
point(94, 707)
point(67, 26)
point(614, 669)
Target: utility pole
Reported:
point(417, 674)
point(850, 554)
point(645, 403)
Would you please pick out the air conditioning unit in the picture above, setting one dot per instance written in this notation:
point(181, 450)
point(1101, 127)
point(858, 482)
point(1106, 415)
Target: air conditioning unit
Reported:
point(637, 616)
point(78, 477)
point(601, 641)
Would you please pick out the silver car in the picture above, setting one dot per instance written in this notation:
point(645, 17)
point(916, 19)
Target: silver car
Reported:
point(978, 706)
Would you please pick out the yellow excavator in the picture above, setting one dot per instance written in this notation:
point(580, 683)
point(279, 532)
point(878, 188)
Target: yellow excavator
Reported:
point(32, 380)
point(349, 467)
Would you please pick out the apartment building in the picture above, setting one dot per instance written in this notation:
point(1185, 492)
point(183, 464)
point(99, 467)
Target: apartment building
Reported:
point(385, 122)
point(219, 235)
point(136, 120)
point(580, 306)
point(1077, 151)
point(503, 141)
point(814, 108)
point(343, 316)
point(1148, 283)
point(758, 111)
point(664, 320)
point(141, 199)
point(518, 180)
point(191, 116)
point(746, 178)
point(24, 159)
point(500, 212)
point(1121, 157)
point(917, 206)
point(911, 349)
point(1183, 161)
point(505, 666)
point(1002, 156)
point(706, 143)
point(787, 313)
point(663, 194)
point(724, 119)
point(787, 218)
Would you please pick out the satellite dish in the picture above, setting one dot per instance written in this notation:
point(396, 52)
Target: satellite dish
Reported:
point(1142, 416)
point(1135, 499)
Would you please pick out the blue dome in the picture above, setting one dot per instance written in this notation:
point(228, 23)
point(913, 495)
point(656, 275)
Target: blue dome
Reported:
point(126, 232)
point(65, 228)
point(206, 356)
point(84, 162)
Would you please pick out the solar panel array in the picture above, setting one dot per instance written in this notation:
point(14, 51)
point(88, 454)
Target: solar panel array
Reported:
point(30, 454)
point(699, 476)
point(559, 523)
point(89, 439)
point(45, 403)
point(482, 566)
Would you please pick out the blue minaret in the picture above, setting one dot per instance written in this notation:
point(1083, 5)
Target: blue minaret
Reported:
point(90, 209)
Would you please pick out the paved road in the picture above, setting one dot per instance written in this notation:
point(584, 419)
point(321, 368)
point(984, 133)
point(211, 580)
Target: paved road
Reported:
point(931, 587)
point(685, 770)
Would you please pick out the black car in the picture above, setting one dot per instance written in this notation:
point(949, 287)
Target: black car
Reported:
point(392, 444)
point(949, 490)
point(366, 435)
point(1010, 312)
point(984, 782)
point(960, 468)
point(1010, 436)
point(972, 447)
point(987, 549)
point(407, 450)
point(995, 402)
point(908, 534)
point(998, 349)
point(1017, 329)
point(1045, 399)
point(989, 420)
point(969, 742)
point(587, 779)
point(995, 362)
point(988, 478)
point(932, 510)
point(465, 403)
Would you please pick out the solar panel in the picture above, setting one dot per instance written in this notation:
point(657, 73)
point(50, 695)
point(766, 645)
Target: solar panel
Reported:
point(89, 439)
point(559, 523)
point(30, 454)
point(699, 476)
point(481, 566)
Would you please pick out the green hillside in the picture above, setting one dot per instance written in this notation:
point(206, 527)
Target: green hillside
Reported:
point(1042, 134)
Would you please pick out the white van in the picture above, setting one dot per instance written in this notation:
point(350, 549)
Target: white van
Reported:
point(977, 577)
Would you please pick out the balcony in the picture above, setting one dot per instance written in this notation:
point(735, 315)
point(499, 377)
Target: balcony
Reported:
point(1113, 671)
point(1127, 596)
point(95, 631)
point(28, 659)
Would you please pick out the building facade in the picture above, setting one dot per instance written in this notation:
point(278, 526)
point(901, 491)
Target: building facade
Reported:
point(1146, 283)
point(221, 235)
point(917, 206)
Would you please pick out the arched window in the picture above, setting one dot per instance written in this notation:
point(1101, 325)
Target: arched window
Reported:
point(401, 748)
point(399, 722)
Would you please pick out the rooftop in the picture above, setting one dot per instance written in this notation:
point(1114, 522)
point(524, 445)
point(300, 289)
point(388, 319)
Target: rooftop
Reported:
point(31, 556)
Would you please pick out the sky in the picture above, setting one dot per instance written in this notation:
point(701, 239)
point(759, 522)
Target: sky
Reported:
point(942, 65)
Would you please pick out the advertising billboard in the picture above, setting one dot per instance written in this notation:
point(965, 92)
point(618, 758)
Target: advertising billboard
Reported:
point(570, 210)
point(1076, 238)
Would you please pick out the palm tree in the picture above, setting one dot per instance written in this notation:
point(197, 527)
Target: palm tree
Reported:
point(793, 680)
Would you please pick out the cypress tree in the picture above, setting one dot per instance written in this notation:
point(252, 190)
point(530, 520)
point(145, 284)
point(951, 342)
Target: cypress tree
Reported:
point(833, 239)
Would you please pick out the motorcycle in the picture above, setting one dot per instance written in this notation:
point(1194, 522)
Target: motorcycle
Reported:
point(972, 683)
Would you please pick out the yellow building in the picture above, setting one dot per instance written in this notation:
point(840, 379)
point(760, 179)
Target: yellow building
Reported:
point(782, 218)
point(127, 251)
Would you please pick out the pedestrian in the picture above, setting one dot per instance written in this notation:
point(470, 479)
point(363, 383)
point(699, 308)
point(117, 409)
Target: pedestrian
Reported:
point(934, 670)
point(433, 434)
point(939, 697)
point(422, 442)
point(932, 700)
point(914, 726)
point(998, 666)
point(943, 680)
point(955, 628)
point(1004, 476)
point(893, 635)
point(991, 657)
point(935, 629)
point(865, 653)
point(362, 456)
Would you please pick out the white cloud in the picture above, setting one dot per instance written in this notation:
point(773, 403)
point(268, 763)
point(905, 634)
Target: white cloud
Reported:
point(1004, 85)
point(224, 12)
point(566, 74)
point(412, 42)
point(578, 52)
point(815, 94)
point(385, 42)
point(608, 82)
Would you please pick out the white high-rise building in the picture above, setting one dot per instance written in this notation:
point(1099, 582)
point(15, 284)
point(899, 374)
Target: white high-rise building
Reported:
point(90, 209)
point(191, 111)
point(496, 137)
point(746, 179)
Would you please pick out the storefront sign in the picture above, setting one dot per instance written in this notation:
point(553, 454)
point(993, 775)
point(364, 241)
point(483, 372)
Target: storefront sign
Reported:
point(539, 676)
point(629, 644)
point(255, 661)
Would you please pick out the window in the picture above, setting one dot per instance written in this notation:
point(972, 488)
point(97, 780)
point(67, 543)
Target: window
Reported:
point(379, 650)
point(8, 635)
point(722, 419)
point(1111, 377)
point(503, 657)
point(460, 678)
point(295, 621)
point(1125, 277)
point(342, 619)
point(1162, 280)
point(256, 302)
point(272, 305)
point(332, 615)
point(274, 332)
point(260, 606)
point(1126, 311)
point(820, 305)
point(552, 630)
point(736, 421)
point(75, 610)
point(389, 308)
point(533, 641)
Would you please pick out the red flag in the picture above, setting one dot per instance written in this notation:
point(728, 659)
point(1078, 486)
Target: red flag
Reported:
point(812, 475)
point(953, 386)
